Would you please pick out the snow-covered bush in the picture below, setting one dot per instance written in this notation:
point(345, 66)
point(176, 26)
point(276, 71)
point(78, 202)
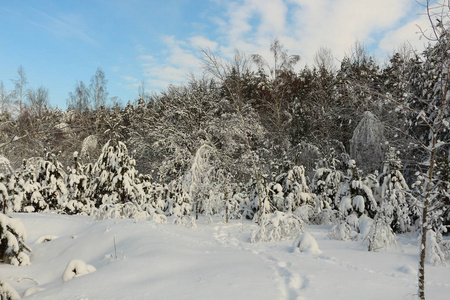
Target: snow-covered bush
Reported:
point(3, 196)
point(394, 191)
point(354, 199)
point(380, 236)
point(295, 190)
point(7, 292)
point(180, 206)
point(128, 210)
point(114, 176)
point(12, 241)
point(355, 194)
point(342, 232)
point(51, 177)
point(75, 200)
point(277, 227)
point(25, 191)
point(434, 253)
point(76, 268)
point(305, 242)
point(325, 184)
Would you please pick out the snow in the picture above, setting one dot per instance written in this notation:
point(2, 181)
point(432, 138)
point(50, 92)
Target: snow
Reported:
point(306, 243)
point(148, 260)
point(77, 268)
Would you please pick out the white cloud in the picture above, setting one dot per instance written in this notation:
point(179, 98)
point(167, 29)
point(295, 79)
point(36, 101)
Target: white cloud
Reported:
point(201, 42)
point(130, 79)
point(302, 26)
point(409, 33)
point(180, 59)
point(66, 26)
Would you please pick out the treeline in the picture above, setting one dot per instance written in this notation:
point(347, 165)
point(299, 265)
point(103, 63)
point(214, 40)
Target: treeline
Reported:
point(329, 144)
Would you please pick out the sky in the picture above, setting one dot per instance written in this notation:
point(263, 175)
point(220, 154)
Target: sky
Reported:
point(61, 42)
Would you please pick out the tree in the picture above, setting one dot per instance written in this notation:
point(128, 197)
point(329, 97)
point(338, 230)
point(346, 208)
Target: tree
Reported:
point(12, 241)
point(79, 100)
point(114, 176)
point(20, 87)
point(368, 142)
point(5, 98)
point(98, 91)
point(51, 177)
point(230, 75)
point(427, 105)
point(396, 206)
point(75, 200)
point(275, 94)
point(38, 100)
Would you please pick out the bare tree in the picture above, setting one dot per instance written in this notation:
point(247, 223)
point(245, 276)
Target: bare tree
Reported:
point(20, 87)
point(79, 100)
point(98, 92)
point(38, 100)
point(5, 97)
point(324, 60)
point(435, 118)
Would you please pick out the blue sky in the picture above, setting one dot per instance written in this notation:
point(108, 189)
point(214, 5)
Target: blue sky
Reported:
point(61, 42)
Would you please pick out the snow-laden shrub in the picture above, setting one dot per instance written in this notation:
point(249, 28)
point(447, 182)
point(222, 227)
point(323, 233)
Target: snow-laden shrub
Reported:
point(325, 185)
point(380, 236)
point(180, 205)
point(75, 200)
point(295, 190)
point(12, 241)
point(306, 243)
point(76, 268)
point(396, 206)
point(7, 292)
point(51, 177)
point(305, 213)
point(342, 232)
point(277, 227)
point(434, 253)
point(326, 216)
point(128, 210)
point(114, 176)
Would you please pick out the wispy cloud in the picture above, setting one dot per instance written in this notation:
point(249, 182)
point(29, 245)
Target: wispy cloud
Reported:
point(302, 26)
point(67, 26)
point(181, 58)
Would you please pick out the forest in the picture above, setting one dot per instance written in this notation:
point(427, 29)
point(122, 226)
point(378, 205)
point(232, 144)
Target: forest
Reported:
point(363, 146)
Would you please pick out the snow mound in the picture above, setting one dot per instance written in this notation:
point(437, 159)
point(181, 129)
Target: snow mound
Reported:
point(306, 243)
point(46, 238)
point(278, 226)
point(77, 268)
point(32, 290)
point(407, 269)
point(7, 292)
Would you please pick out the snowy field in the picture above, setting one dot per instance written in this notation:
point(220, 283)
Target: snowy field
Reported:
point(145, 260)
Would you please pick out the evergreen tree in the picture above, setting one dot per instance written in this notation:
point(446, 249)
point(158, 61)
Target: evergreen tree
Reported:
point(75, 201)
point(395, 206)
point(114, 176)
point(51, 177)
point(12, 241)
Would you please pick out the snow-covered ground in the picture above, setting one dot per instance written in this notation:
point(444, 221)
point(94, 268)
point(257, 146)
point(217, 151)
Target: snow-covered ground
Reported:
point(129, 259)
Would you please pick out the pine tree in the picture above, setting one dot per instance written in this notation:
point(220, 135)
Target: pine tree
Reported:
point(355, 200)
point(75, 201)
point(114, 180)
point(296, 190)
point(25, 191)
point(12, 241)
point(51, 177)
point(394, 192)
